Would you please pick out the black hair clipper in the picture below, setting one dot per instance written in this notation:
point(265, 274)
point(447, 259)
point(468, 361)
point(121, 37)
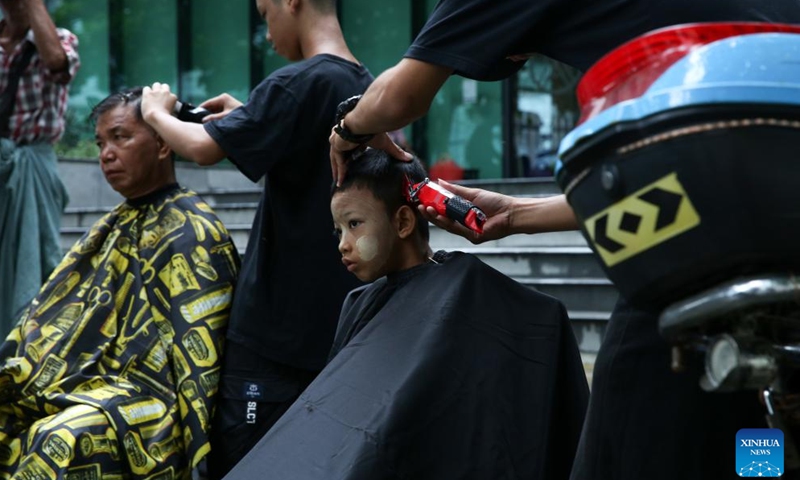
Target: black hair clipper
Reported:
point(187, 112)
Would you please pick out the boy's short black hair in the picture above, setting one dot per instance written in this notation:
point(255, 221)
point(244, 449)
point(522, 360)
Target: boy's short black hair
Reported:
point(129, 97)
point(384, 176)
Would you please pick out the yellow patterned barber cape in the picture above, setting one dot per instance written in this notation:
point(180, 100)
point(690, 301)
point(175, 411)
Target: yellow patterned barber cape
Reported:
point(113, 369)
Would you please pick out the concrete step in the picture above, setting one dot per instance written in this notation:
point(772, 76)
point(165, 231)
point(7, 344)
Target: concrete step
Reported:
point(522, 187)
point(239, 234)
point(584, 295)
point(243, 213)
point(220, 197)
point(538, 262)
point(442, 239)
point(516, 187)
point(229, 214)
point(87, 186)
point(225, 184)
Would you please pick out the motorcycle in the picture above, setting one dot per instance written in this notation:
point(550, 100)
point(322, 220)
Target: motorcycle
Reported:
point(683, 173)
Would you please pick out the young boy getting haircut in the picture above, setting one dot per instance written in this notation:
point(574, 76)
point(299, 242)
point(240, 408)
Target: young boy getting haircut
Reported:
point(379, 232)
point(441, 368)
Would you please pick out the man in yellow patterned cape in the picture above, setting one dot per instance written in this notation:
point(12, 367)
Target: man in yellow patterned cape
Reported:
point(112, 370)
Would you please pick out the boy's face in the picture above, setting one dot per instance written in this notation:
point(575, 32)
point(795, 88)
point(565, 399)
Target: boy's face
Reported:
point(281, 28)
point(367, 237)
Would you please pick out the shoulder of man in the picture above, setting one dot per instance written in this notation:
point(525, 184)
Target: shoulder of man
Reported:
point(317, 68)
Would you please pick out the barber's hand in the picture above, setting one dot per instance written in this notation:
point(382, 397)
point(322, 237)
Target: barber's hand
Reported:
point(219, 106)
point(340, 149)
point(496, 206)
point(156, 99)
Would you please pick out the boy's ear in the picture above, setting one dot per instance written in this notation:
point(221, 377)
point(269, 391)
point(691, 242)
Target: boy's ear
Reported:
point(405, 221)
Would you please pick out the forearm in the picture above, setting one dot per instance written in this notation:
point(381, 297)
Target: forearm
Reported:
point(540, 215)
point(48, 45)
point(397, 97)
point(189, 140)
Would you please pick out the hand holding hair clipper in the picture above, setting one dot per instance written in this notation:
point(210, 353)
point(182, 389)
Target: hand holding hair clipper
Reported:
point(187, 112)
point(445, 203)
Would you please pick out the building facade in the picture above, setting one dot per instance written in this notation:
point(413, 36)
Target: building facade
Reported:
point(202, 48)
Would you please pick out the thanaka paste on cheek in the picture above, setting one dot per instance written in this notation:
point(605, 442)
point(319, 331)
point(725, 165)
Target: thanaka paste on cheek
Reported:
point(367, 247)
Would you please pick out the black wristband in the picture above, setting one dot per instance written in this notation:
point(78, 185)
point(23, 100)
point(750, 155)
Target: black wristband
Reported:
point(341, 129)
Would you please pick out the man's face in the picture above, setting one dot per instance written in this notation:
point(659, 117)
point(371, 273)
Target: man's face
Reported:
point(132, 156)
point(280, 28)
point(367, 238)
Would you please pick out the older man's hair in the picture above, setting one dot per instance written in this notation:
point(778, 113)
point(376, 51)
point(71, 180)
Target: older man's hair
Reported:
point(131, 97)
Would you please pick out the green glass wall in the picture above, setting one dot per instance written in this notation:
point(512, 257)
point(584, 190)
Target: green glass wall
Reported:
point(89, 20)
point(378, 37)
point(546, 110)
point(203, 48)
point(465, 124)
point(148, 50)
point(219, 50)
point(377, 31)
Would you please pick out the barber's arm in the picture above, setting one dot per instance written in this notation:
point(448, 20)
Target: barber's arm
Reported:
point(507, 215)
point(189, 140)
point(396, 98)
point(48, 44)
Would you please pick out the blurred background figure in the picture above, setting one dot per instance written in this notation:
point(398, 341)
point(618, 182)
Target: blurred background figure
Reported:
point(37, 63)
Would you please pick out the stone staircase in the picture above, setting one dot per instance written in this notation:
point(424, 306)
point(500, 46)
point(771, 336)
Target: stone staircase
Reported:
point(558, 264)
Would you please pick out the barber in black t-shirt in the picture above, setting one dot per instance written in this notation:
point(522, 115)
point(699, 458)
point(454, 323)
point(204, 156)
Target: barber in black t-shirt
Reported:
point(292, 283)
point(644, 422)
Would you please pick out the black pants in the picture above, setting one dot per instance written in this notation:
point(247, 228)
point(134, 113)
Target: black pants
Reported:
point(646, 422)
point(254, 393)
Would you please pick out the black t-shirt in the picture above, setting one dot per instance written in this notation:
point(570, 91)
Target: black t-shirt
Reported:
point(292, 283)
point(490, 39)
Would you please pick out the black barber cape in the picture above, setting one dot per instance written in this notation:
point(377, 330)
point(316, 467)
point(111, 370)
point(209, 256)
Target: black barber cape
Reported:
point(443, 371)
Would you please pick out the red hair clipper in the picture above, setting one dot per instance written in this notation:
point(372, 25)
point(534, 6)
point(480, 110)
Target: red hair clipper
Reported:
point(445, 203)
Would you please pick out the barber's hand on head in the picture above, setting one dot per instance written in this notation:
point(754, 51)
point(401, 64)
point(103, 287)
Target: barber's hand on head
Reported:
point(496, 206)
point(340, 149)
point(157, 98)
point(219, 106)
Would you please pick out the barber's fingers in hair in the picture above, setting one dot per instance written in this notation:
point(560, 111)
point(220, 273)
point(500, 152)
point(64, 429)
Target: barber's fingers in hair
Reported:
point(161, 87)
point(338, 166)
point(337, 159)
point(332, 155)
point(340, 153)
point(383, 141)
